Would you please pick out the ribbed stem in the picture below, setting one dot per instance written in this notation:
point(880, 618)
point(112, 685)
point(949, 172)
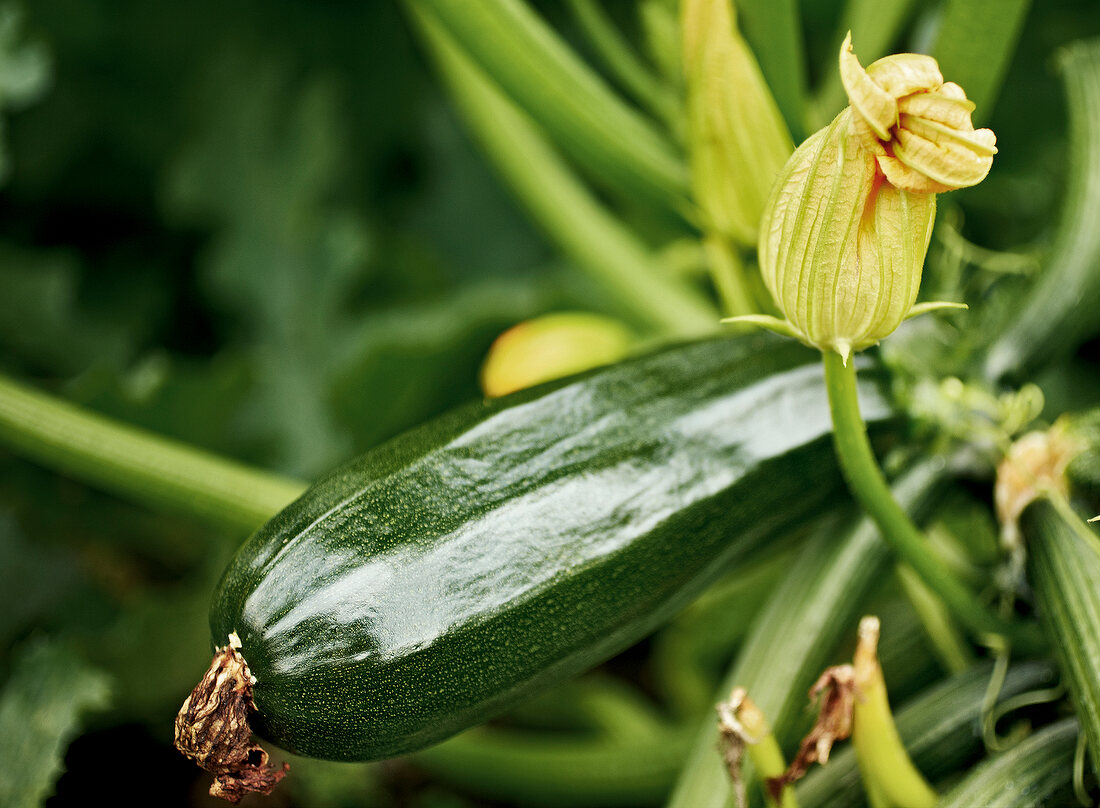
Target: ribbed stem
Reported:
point(137, 464)
point(1064, 568)
point(947, 642)
point(869, 487)
point(1032, 772)
point(549, 770)
point(552, 192)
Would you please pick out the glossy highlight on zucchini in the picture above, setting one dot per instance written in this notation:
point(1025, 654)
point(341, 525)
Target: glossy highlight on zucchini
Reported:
point(428, 585)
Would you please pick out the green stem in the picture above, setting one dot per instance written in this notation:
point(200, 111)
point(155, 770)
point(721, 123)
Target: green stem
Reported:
point(565, 770)
point(869, 487)
point(727, 273)
point(137, 464)
point(510, 44)
point(621, 60)
point(947, 643)
point(889, 776)
point(765, 753)
point(558, 201)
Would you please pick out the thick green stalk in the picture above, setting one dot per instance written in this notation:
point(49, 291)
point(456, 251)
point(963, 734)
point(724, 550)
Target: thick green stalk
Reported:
point(559, 202)
point(137, 464)
point(531, 64)
point(773, 29)
point(869, 487)
point(954, 654)
point(542, 769)
point(727, 272)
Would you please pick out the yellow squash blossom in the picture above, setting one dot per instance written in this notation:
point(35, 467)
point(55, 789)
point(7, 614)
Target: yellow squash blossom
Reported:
point(847, 226)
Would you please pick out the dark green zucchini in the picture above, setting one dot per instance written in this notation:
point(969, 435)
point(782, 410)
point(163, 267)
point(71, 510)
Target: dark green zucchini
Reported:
point(438, 579)
point(1037, 773)
point(1064, 569)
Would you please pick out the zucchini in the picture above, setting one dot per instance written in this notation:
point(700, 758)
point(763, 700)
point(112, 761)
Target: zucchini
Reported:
point(1064, 569)
point(1036, 772)
point(444, 576)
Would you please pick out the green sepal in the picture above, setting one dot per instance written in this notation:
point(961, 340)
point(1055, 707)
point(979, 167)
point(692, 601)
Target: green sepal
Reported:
point(774, 324)
point(933, 305)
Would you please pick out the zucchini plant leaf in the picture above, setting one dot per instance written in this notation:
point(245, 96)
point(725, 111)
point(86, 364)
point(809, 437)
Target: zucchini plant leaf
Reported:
point(36, 577)
point(297, 267)
point(49, 689)
point(261, 169)
point(42, 323)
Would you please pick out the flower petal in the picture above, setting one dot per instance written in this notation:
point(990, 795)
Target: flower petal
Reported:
point(949, 162)
point(905, 73)
point(878, 107)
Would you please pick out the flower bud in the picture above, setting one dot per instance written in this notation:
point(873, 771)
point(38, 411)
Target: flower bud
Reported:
point(842, 250)
point(550, 347)
point(848, 223)
point(737, 137)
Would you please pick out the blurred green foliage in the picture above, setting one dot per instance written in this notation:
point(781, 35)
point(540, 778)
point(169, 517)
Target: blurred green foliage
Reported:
point(35, 725)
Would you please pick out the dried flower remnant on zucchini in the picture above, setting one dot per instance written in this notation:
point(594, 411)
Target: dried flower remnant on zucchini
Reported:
point(742, 727)
point(1034, 466)
point(836, 693)
point(212, 729)
point(853, 703)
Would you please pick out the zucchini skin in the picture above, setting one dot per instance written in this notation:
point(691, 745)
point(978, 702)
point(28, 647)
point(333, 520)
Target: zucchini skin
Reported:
point(1065, 573)
point(431, 583)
